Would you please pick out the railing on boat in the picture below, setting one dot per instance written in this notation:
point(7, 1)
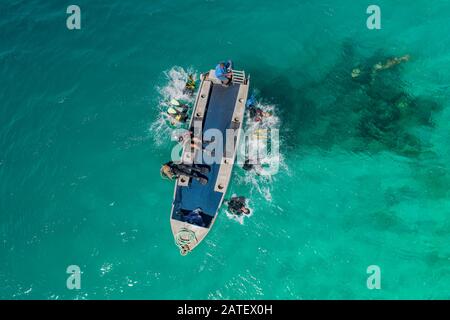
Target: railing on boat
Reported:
point(238, 77)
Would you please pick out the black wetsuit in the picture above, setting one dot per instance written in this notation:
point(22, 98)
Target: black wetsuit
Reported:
point(253, 111)
point(235, 205)
point(194, 171)
point(247, 165)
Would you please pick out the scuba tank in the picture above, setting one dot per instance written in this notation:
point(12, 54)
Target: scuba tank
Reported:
point(172, 111)
point(260, 134)
point(189, 87)
point(190, 83)
point(236, 204)
point(177, 115)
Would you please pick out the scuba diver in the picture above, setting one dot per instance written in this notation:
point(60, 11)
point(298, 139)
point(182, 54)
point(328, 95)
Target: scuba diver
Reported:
point(189, 88)
point(251, 165)
point(177, 112)
point(248, 165)
point(173, 170)
point(237, 206)
point(256, 114)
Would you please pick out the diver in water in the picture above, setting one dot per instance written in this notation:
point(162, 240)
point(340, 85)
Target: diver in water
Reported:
point(189, 88)
point(177, 112)
point(177, 116)
point(237, 206)
point(247, 165)
point(256, 114)
point(173, 170)
point(251, 166)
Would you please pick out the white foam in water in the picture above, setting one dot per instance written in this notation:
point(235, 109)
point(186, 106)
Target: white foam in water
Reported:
point(175, 82)
point(240, 218)
point(263, 183)
point(260, 184)
point(162, 132)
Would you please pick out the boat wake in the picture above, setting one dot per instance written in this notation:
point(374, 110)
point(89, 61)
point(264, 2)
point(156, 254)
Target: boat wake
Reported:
point(175, 81)
point(259, 128)
point(262, 183)
point(240, 218)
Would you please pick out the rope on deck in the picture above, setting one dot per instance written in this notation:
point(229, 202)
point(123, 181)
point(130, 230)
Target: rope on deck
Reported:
point(183, 239)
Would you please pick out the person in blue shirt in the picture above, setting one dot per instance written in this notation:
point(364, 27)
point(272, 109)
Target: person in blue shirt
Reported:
point(223, 72)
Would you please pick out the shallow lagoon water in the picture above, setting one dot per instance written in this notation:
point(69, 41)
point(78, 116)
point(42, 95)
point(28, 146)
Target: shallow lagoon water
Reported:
point(366, 163)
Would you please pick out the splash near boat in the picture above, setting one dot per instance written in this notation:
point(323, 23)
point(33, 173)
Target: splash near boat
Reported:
point(207, 162)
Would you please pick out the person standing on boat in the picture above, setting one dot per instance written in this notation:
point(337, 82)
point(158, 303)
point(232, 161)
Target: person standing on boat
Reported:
point(224, 72)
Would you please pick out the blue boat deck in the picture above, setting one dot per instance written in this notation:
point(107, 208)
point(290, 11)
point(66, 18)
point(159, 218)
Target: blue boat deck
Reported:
point(219, 113)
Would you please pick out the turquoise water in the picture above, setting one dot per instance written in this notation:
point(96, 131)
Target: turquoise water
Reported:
point(365, 176)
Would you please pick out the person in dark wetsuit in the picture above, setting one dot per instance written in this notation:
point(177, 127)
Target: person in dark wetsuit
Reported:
point(247, 165)
point(252, 165)
point(256, 114)
point(237, 206)
point(173, 170)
